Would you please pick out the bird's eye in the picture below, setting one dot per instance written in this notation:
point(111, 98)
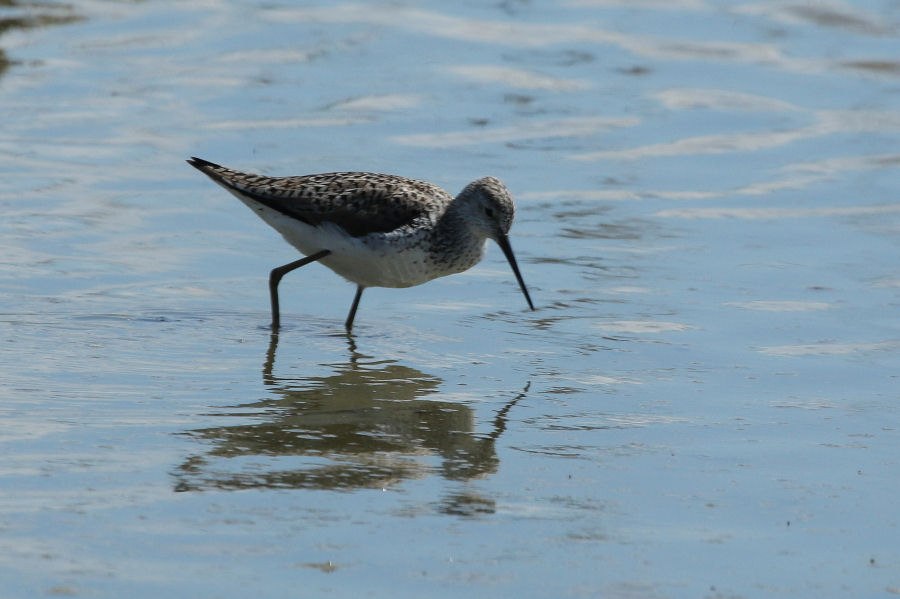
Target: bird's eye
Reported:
point(489, 212)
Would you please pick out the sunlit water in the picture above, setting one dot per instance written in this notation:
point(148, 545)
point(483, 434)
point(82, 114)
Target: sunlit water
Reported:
point(703, 405)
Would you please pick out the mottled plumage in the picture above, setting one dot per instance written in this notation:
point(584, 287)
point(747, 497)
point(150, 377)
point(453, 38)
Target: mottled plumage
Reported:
point(376, 230)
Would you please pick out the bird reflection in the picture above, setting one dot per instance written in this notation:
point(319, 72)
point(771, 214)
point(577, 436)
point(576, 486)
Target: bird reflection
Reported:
point(369, 424)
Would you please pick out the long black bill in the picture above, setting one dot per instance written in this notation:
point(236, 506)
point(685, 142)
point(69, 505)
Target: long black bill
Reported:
point(503, 242)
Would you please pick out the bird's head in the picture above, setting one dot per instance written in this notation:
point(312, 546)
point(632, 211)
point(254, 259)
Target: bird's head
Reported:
point(488, 207)
point(488, 210)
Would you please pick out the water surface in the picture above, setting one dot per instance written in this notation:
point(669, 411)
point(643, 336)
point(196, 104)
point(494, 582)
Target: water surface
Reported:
point(703, 405)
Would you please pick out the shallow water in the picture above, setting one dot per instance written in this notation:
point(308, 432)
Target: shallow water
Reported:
point(703, 405)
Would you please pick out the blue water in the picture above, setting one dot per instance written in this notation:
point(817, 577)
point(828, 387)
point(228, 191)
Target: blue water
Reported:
point(703, 405)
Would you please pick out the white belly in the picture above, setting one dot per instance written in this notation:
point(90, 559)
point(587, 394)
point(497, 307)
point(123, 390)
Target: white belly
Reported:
point(382, 260)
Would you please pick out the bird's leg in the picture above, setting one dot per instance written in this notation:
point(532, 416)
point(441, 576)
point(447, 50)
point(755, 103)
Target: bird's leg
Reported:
point(275, 278)
point(352, 315)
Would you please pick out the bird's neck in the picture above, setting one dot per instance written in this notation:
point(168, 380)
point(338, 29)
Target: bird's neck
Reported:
point(452, 223)
point(455, 241)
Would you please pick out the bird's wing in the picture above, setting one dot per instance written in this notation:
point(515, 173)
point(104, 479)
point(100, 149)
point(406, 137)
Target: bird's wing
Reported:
point(360, 203)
